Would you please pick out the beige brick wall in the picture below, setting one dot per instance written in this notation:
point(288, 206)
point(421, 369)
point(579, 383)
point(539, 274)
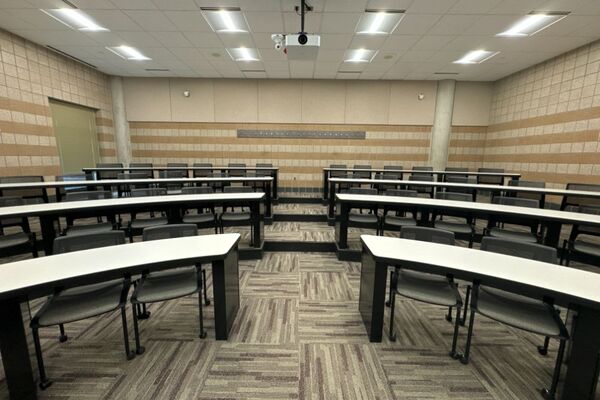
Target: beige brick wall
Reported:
point(29, 75)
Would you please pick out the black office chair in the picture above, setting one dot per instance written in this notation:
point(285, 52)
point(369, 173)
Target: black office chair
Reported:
point(340, 174)
point(526, 313)
point(237, 172)
point(360, 220)
point(30, 196)
point(490, 179)
point(99, 227)
point(360, 174)
point(424, 287)
point(573, 202)
point(108, 174)
point(149, 173)
point(581, 241)
point(464, 228)
point(172, 187)
point(202, 173)
point(237, 218)
point(262, 173)
point(183, 171)
point(389, 175)
point(125, 188)
point(137, 224)
point(81, 302)
point(168, 284)
point(62, 191)
point(396, 221)
point(201, 219)
point(459, 178)
point(524, 195)
point(422, 174)
point(494, 220)
point(16, 242)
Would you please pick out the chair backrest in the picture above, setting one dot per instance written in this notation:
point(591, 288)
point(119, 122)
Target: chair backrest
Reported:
point(569, 201)
point(172, 173)
point(13, 201)
point(176, 165)
point(361, 174)
point(86, 241)
point(453, 196)
point(263, 172)
point(88, 195)
point(132, 175)
point(35, 195)
point(145, 192)
point(148, 172)
point(202, 173)
point(395, 167)
point(197, 190)
point(587, 229)
point(238, 189)
point(532, 184)
point(338, 174)
point(531, 251)
point(421, 177)
point(169, 231)
point(459, 178)
point(108, 174)
point(237, 172)
point(490, 179)
point(516, 201)
point(427, 235)
point(419, 173)
point(367, 191)
point(140, 165)
point(401, 193)
point(69, 178)
point(177, 173)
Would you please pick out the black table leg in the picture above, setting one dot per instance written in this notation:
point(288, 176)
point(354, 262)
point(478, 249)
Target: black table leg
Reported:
point(226, 293)
point(372, 295)
point(15, 352)
point(275, 186)
point(331, 211)
point(257, 211)
point(552, 234)
point(48, 232)
point(584, 361)
point(268, 202)
point(341, 226)
point(325, 186)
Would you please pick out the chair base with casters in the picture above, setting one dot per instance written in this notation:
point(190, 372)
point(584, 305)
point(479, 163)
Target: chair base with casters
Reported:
point(523, 313)
point(77, 304)
point(168, 285)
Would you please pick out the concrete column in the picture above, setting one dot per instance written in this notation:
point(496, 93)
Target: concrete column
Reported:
point(442, 124)
point(122, 139)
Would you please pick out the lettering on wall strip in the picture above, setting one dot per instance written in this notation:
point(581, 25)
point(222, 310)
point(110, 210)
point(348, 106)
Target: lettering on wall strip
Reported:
point(265, 133)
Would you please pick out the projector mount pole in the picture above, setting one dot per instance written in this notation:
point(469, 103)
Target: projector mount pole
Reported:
point(302, 8)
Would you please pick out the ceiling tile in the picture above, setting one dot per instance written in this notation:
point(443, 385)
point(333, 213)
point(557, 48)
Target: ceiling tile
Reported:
point(270, 22)
point(453, 24)
point(335, 41)
point(188, 21)
point(416, 24)
point(339, 22)
point(151, 20)
point(181, 5)
point(291, 22)
point(431, 6)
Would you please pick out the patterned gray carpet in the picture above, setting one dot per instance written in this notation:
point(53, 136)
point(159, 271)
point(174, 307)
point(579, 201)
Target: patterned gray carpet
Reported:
point(298, 334)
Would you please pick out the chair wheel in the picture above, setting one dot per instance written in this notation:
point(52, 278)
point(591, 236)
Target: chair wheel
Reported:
point(463, 360)
point(203, 335)
point(455, 355)
point(144, 315)
point(387, 303)
point(546, 394)
point(63, 338)
point(207, 303)
point(462, 322)
point(141, 350)
point(130, 356)
point(448, 317)
point(542, 350)
point(45, 384)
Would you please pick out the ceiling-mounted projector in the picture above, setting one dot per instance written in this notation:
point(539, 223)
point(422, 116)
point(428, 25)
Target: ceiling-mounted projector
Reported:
point(300, 46)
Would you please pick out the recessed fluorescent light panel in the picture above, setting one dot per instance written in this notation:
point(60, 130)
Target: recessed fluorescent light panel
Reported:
point(379, 22)
point(476, 57)
point(129, 53)
point(74, 19)
point(225, 19)
point(244, 54)
point(359, 56)
point(534, 22)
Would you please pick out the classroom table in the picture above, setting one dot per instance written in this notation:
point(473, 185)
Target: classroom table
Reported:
point(22, 281)
point(572, 288)
point(108, 183)
point(440, 175)
point(172, 205)
point(552, 220)
point(335, 184)
point(274, 172)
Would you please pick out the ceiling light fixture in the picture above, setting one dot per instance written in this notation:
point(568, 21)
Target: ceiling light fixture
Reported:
point(476, 57)
point(228, 19)
point(379, 22)
point(534, 22)
point(128, 53)
point(244, 54)
point(74, 19)
point(359, 56)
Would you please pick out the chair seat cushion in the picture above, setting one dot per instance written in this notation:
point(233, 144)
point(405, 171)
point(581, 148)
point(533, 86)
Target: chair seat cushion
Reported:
point(141, 223)
point(456, 227)
point(520, 236)
point(399, 221)
point(166, 285)
point(81, 302)
point(13, 239)
point(198, 218)
point(587, 247)
point(89, 229)
point(423, 275)
point(519, 311)
point(433, 291)
point(236, 216)
point(362, 218)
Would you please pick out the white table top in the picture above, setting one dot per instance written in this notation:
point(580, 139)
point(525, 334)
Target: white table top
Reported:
point(509, 174)
point(485, 208)
point(178, 168)
point(54, 208)
point(553, 278)
point(20, 276)
point(49, 184)
point(524, 189)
